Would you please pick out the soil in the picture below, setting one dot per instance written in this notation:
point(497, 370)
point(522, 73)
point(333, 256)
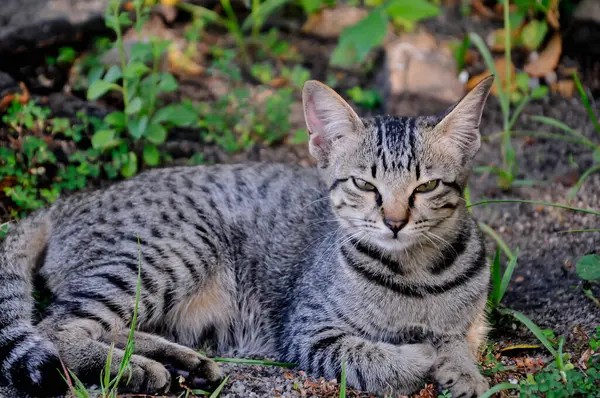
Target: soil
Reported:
point(545, 286)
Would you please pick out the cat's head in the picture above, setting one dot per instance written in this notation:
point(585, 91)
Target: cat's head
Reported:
point(393, 179)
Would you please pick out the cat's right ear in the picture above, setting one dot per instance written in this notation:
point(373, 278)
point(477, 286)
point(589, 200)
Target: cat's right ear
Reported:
point(329, 119)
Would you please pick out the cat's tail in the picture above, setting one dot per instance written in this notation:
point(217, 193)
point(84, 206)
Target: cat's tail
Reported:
point(28, 359)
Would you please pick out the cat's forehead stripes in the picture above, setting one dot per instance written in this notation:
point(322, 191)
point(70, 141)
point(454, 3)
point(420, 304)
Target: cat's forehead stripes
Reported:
point(397, 143)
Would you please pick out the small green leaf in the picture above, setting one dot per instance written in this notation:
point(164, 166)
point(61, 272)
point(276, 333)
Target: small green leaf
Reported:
point(177, 114)
point(98, 89)
point(135, 69)
point(412, 10)
point(522, 80)
point(130, 167)
point(588, 267)
point(114, 73)
point(539, 92)
point(151, 155)
point(533, 34)
point(137, 127)
point(310, 6)
point(117, 120)
point(156, 134)
point(300, 137)
point(358, 40)
point(167, 83)
point(95, 74)
point(596, 156)
point(103, 138)
point(134, 106)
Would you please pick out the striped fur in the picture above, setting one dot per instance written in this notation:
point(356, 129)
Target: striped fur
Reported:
point(266, 259)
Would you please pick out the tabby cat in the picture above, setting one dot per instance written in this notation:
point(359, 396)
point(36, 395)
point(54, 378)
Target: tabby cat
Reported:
point(371, 259)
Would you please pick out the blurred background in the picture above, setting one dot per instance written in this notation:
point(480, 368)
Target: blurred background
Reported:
point(94, 91)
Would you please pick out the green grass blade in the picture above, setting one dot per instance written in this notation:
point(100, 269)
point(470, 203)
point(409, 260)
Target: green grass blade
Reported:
point(343, 380)
point(558, 124)
point(586, 102)
point(508, 272)
point(517, 111)
point(496, 280)
point(242, 361)
point(489, 62)
point(494, 235)
point(570, 231)
point(584, 176)
point(554, 136)
point(534, 329)
point(216, 393)
point(499, 387)
point(535, 202)
point(508, 64)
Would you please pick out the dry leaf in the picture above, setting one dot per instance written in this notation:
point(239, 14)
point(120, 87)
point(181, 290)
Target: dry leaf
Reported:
point(481, 9)
point(500, 64)
point(495, 39)
point(330, 22)
point(179, 63)
point(548, 59)
point(566, 88)
point(552, 16)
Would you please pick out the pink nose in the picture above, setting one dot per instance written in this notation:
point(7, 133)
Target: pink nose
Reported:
point(395, 225)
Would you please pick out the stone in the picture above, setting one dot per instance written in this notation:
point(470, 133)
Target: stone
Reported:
point(27, 25)
point(418, 67)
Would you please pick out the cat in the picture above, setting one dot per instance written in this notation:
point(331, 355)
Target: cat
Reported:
point(370, 259)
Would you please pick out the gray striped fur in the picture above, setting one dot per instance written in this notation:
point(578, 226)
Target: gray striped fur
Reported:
point(266, 258)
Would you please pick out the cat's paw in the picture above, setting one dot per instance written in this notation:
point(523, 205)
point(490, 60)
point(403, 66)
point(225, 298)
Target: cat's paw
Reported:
point(421, 358)
point(147, 375)
point(198, 370)
point(460, 381)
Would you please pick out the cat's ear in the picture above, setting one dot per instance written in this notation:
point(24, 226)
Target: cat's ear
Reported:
point(328, 118)
point(460, 126)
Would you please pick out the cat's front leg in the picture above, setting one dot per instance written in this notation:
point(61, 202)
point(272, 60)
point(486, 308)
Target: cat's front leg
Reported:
point(371, 366)
point(456, 370)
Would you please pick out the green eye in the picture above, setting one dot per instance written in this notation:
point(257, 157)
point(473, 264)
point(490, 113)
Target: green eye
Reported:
point(428, 186)
point(363, 185)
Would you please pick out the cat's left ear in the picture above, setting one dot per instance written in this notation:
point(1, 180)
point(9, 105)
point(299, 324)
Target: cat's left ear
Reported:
point(461, 124)
point(330, 120)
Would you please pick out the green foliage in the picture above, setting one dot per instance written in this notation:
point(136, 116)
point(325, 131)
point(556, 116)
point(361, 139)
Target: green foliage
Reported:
point(588, 267)
point(369, 99)
point(500, 280)
point(24, 169)
point(143, 118)
point(358, 40)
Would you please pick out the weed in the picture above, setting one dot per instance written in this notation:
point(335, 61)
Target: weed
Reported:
point(369, 99)
point(358, 40)
point(500, 280)
point(343, 380)
point(143, 119)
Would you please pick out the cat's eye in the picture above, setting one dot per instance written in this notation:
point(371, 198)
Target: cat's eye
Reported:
point(363, 185)
point(428, 186)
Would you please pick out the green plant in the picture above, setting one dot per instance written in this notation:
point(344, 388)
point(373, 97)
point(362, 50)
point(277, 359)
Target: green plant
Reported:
point(259, 13)
point(500, 280)
point(369, 99)
point(244, 116)
point(508, 172)
point(343, 380)
point(358, 40)
point(588, 269)
point(144, 120)
point(25, 165)
point(66, 56)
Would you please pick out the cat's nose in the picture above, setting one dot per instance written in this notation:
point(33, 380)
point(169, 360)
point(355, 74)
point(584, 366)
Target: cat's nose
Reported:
point(395, 225)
